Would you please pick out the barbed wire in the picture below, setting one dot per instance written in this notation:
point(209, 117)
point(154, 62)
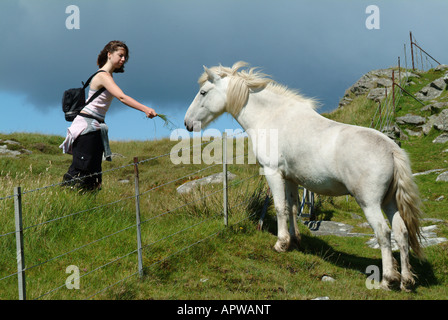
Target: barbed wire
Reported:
point(171, 255)
point(75, 179)
point(119, 200)
point(115, 202)
point(145, 246)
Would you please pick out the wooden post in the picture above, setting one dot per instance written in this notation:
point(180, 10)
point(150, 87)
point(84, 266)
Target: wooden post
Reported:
point(412, 51)
point(405, 58)
point(137, 214)
point(19, 243)
point(224, 178)
point(393, 90)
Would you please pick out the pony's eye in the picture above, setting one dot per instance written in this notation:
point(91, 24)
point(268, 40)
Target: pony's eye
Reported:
point(203, 93)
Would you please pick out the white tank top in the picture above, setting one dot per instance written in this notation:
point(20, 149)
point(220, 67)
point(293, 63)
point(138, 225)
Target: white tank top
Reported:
point(99, 106)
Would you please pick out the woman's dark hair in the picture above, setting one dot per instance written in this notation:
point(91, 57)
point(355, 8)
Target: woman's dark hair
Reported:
point(111, 47)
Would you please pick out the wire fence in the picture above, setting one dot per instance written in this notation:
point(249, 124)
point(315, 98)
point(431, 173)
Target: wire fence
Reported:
point(385, 113)
point(34, 227)
point(421, 59)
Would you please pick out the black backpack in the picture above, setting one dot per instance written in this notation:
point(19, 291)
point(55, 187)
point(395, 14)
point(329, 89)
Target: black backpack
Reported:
point(74, 99)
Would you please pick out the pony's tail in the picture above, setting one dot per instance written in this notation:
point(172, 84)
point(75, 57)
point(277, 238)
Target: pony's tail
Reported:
point(408, 200)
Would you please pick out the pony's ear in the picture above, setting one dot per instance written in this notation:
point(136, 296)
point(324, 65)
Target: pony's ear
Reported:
point(212, 76)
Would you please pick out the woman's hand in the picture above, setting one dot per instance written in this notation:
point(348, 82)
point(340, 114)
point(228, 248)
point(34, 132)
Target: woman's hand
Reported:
point(150, 113)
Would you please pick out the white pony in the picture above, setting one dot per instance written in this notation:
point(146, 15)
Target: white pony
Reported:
point(324, 156)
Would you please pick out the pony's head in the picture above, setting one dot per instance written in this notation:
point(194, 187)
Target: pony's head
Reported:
point(222, 89)
point(209, 103)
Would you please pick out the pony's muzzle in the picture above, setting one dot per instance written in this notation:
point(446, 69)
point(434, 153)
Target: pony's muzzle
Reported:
point(192, 126)
point(189, 128)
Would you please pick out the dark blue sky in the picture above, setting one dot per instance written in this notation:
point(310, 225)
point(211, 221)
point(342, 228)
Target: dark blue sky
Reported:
point(319, 47)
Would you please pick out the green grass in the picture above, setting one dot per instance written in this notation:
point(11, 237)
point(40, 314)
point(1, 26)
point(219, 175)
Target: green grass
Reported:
point(188, 253)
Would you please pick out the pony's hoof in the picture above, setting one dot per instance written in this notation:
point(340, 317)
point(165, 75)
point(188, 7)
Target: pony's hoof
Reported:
point(390, 284)
point(281, 246)
point(407, 285)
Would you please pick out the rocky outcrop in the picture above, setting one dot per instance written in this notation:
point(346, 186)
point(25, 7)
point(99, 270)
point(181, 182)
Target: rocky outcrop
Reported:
point(375, 84)
point(370, 83)
point(12, 148)
point(433, 90)
point(433, 116)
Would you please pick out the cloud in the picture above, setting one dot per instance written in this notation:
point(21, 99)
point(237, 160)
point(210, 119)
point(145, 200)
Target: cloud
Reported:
point(319, 47)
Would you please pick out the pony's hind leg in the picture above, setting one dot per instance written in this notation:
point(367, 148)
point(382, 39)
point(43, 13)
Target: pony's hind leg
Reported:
point(292, 197)
point(374, 215)
point(402, 238)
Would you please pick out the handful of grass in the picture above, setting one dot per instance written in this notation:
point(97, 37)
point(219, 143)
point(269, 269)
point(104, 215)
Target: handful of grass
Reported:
point(168, 123)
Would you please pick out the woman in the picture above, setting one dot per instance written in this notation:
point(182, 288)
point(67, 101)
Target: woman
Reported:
point(87, 136)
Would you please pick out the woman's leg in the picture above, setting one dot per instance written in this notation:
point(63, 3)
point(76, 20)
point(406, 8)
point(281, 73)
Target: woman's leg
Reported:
point(87, 158)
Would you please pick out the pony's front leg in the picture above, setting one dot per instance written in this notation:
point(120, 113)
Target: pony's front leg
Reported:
point(278, 188)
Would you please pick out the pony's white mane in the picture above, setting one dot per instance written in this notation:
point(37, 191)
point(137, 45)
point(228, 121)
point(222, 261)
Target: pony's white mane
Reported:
point(242, 82)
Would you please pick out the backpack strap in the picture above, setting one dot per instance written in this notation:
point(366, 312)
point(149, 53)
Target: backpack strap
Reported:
point(98, 92)
point(88, 80)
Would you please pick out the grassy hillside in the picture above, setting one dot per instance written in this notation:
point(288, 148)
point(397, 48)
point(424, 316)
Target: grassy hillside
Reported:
point(188, 253)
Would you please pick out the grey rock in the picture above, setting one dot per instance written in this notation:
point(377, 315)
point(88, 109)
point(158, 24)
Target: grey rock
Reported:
point(373, 83)
point(322, 228)
point(433, 219)
point(443, 138)
point(443, 177)
point(377, 94)
point(432, 90)
point(439, 84)
point(427, 172)
point(411, 119)
point(429, 238)
point(214, 178)
point(441, 121)
point(6, 152)
point(413, 133)
point(441, 67)
point(17, 148)
point(383, 83)
point(426, 128)
point(10, 142)
point(327, 279)
point(435, 107)
point(395, 133)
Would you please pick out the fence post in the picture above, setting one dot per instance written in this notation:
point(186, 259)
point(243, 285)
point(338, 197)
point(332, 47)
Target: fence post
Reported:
point(393, 90)
point(137, 214)
point(19, 243)
point(412, 50)
point(405, 58)
point(224, 178)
